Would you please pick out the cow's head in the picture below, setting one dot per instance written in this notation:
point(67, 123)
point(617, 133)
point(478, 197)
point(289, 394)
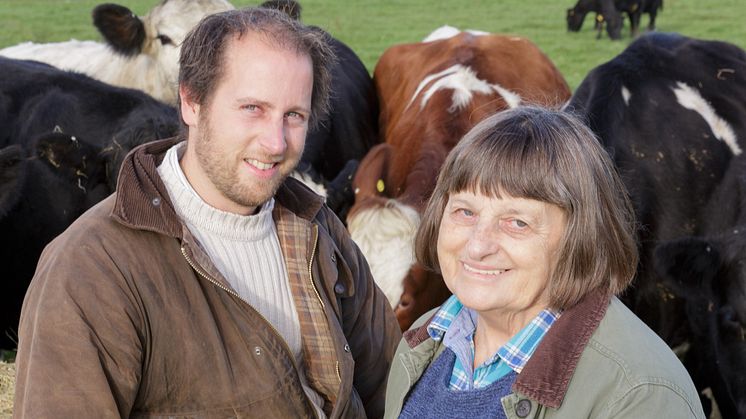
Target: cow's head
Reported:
point(159, 34)
point(710, 276)
point(55, 181)
point(383, 222)
point(575, 19)
point(144, 124)
point(382, 227)
point(75, 163)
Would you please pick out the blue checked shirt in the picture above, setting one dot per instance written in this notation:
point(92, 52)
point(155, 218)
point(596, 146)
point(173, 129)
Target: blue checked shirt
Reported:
point(455, 325)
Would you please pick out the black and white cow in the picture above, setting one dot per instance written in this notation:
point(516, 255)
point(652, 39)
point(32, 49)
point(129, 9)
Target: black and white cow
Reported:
point(610, 13)
point(63, 136)
point(139, 53)
point(708, 272)
point(606, 14)
point(671, 111)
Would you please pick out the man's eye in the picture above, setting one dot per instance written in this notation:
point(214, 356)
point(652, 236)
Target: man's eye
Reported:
point(295, 115)
point(250, 108)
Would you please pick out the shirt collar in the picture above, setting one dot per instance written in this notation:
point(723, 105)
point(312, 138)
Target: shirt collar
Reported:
point(443, 318)
point(516, 352)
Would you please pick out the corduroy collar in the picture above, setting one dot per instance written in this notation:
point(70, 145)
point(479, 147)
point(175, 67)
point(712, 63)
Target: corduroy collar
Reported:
point(142, 201)
point(546, 376)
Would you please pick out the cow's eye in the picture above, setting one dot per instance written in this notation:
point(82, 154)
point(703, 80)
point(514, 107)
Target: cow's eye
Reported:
point(729, 322)
point(165, 40)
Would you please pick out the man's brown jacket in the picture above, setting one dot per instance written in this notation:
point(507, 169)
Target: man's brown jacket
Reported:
point(127, 316)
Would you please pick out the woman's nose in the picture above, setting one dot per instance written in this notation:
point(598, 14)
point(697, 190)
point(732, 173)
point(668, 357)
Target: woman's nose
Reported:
point(483, 242)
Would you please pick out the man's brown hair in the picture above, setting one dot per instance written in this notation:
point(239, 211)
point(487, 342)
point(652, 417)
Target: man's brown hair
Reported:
point(202, 60)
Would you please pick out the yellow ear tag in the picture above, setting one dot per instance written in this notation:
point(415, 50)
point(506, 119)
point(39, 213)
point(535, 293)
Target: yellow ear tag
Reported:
point(379, 186)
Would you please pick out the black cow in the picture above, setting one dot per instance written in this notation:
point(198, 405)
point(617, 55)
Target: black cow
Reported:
point(671, 112)
point(63, 136)
point(333, 150)
point(610, 13)
point(708, 273)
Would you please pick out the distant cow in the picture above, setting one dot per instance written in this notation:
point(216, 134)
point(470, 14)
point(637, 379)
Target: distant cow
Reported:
point(609, 12)
point(671, 112)
point(334, 149)
point(62, 139)
point(431, 94)
point(139, 53)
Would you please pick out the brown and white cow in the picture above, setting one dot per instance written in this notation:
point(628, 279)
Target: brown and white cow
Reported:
point(138, 53)
point(431, 93)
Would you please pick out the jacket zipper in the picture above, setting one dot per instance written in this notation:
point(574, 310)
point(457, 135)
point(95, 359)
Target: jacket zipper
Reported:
point(310, 265)
point(233, 293)
point(313, 285)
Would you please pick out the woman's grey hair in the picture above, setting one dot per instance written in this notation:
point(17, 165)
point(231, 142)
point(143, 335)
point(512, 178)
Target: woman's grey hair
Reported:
point(202, 61)
point(548, 156)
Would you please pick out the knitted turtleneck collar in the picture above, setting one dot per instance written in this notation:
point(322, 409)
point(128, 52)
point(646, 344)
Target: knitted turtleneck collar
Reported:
point(195, 212)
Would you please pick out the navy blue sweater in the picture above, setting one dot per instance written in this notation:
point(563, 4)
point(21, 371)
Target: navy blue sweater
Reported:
point(431, 396)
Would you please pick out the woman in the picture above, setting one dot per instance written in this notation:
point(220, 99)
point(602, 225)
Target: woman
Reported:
point(533, 235)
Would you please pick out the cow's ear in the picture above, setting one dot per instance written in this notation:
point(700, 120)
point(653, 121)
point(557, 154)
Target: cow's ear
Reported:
point(121, 28)
point(65, 153)
point(370, 178)
point(11, 159)
point(687, 264)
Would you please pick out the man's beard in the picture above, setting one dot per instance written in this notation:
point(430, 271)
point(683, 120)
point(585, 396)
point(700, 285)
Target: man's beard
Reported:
point(222, 171)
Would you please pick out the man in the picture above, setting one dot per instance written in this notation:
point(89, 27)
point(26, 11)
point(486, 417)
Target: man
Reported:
point(210, 285)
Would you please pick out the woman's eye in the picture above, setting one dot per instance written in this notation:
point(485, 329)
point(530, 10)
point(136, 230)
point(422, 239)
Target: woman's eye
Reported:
point(250, 108)
point(465, 212)
point(519, 223)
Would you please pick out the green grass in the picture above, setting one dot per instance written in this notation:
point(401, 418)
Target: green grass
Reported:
point(370, 26)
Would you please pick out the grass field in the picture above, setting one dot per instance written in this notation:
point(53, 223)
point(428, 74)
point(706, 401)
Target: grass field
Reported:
point(369, 27)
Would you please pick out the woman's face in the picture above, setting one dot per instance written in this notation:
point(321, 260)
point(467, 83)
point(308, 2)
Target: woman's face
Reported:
point(496, 255)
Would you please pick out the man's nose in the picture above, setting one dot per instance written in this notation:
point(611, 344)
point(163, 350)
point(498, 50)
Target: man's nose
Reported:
point(273, 137)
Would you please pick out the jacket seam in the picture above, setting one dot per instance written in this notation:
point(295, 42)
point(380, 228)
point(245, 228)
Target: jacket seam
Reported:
point(634, 383)
point(651, 383)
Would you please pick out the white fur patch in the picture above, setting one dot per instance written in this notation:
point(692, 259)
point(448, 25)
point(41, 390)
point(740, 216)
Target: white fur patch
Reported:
point(464, 82)
point(690, 98)
point(445, 32)
point(626, 95)
point(385, 235)
point(306, 179)
point(154, 70)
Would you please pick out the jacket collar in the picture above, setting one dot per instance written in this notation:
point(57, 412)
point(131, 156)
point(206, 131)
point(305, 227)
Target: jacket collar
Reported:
point(142, 201)
point(546, 376)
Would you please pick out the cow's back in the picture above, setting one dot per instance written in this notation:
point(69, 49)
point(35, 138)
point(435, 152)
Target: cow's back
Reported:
point(431, 94)
point(671, 112)
point(418, 104)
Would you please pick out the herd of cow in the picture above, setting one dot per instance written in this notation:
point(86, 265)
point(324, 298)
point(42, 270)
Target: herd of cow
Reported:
point(670, 110)
point(610, 13)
